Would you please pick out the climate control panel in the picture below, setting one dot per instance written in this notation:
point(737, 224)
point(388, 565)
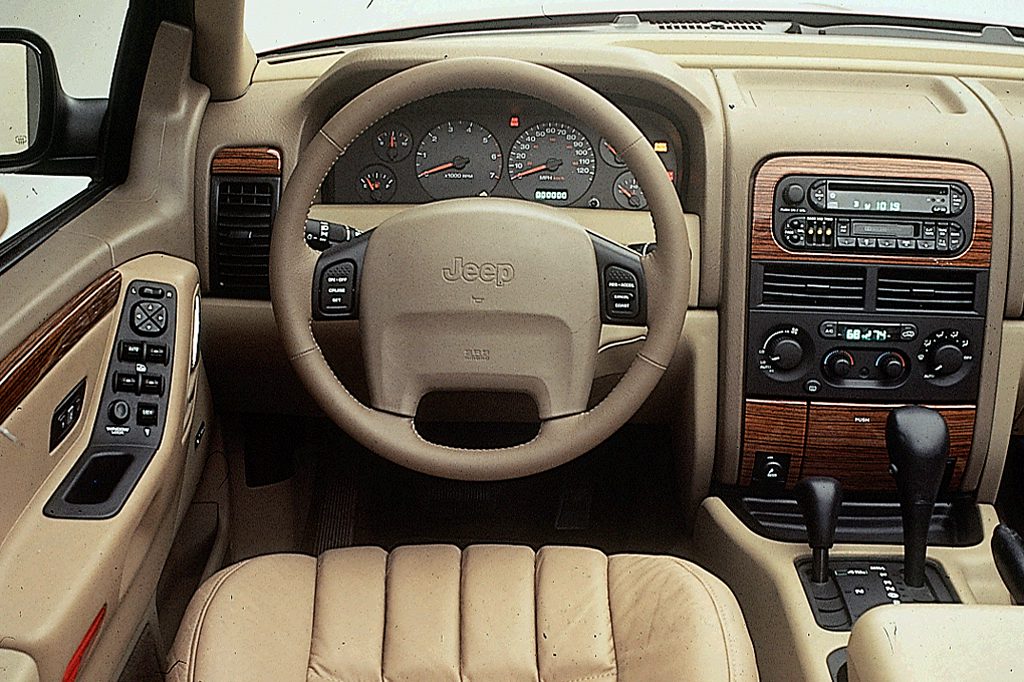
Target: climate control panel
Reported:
point(857, 356)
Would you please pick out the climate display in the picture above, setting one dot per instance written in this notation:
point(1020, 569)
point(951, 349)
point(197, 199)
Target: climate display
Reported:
point(867, 333)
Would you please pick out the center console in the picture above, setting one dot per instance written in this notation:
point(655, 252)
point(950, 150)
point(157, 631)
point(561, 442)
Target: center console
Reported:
point(868, 287)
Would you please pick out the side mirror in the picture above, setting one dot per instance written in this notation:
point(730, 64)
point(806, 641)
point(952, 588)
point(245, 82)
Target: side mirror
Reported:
point(28, 108)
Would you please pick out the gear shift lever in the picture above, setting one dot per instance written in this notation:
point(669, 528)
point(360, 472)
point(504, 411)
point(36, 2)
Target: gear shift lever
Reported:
point(819, 498)
point(918, 443)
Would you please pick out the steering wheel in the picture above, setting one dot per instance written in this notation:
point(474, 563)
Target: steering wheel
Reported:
point(480, 294)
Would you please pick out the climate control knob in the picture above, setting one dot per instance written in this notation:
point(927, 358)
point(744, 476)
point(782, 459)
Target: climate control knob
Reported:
point(838, 364)
point(946, 359)
point(784, 352)
point(891, 365)
point(946, 356)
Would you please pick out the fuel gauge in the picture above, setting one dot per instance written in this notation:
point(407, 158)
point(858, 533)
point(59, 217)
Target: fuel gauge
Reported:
point(376, 184)
point(628, 193)
point(393, 143)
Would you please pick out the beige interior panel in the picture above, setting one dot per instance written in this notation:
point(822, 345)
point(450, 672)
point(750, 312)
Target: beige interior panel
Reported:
point(150, 211)
point(1008, 401)
point(56, 574)
point(17, 667)
point(762, 574)
point(916, 643)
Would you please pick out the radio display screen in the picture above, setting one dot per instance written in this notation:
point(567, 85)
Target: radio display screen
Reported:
point(867, 333)
point(873, 198)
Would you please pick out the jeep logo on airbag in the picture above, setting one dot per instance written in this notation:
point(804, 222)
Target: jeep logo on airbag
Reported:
point(498, 274)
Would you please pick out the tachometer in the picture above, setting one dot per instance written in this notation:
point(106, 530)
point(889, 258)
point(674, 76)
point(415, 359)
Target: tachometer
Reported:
point(551, 162)
point(458, 159)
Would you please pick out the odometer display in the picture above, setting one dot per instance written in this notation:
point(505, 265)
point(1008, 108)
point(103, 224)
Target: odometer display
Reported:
point(552, 162)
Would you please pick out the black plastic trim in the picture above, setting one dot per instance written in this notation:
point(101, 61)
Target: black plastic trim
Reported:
point(956, 521)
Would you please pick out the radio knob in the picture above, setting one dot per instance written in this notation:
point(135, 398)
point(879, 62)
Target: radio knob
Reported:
point(891, 364)
point(838, 364)
point(946, 359)
point(793, 194)
point(785, 353)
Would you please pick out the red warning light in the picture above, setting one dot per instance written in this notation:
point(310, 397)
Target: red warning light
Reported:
point(672, 176)
point(513, 122)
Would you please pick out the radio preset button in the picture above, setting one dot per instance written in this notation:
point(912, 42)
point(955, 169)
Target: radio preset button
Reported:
point(866, 242)
point(925, 245)
point(886, 243)
point(846, 242)
point(908, 244)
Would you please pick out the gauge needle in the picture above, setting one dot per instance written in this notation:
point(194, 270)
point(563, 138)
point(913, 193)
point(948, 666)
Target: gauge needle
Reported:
point(459, 162)
point(391, 142)
point(624, 191)
point(611, 148)
point(550, 164)
point(372, 185)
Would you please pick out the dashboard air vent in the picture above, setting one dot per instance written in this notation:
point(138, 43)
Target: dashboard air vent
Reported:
point(931, 289)
point(813, 286)
point(242, 211)
point(710, 25)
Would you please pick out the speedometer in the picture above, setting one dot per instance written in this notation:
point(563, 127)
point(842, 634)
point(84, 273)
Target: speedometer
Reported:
point(551, 162)
point(458, 159)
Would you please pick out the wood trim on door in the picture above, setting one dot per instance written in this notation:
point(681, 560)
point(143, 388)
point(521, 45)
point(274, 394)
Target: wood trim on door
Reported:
point(764, 247)
point(27, 364)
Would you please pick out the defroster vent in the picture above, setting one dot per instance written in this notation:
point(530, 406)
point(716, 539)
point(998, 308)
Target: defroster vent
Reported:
point(242, 213)
point(813, 286)
point(931, 289)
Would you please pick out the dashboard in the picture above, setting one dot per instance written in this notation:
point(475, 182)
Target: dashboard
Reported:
point(491, 144)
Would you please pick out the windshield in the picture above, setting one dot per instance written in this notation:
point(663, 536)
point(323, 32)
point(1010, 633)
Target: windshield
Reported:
point(272, 24)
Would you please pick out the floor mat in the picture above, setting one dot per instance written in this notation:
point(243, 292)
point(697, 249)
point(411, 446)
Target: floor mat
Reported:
point(623, 497)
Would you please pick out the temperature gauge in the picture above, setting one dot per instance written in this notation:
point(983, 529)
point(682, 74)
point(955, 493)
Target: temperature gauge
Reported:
point(393, 143)
point(609, 155)
point(628, 193)
point(376, 184)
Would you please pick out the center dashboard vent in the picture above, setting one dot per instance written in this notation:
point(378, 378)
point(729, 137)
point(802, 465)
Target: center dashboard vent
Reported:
point(813, 286)
point(927, 289)
point(242, 212)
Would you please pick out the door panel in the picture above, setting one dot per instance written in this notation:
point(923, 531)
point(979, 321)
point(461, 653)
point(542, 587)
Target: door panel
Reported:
point(56, 574)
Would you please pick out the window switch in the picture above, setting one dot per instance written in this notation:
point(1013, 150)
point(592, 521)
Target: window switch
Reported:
point(129, 351)
point(147, 414)
point(152, 384)
point(126, 383)
point(156, 353)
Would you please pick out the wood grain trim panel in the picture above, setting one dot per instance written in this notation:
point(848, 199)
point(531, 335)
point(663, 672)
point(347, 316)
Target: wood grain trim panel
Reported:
point(774, 426)
point(845, 441)
point(247, 161)
point(764, 247)
point(27, 364)
point(848, 443)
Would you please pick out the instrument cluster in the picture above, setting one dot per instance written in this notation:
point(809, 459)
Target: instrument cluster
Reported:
point(493, 144)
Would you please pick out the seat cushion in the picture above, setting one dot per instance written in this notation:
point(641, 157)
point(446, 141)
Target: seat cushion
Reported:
point(490, 612)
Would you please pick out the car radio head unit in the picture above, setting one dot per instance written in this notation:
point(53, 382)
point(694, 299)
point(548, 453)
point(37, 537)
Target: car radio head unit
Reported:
point(870, 216)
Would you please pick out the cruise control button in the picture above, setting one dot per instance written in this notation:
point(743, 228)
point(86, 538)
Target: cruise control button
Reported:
point(337, 288)
point(621, 287)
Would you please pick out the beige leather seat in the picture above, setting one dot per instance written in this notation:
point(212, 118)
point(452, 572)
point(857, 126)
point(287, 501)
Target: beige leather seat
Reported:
point(491, 612)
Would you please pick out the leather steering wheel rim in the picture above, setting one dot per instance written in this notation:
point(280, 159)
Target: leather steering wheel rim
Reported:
point(561, 439)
